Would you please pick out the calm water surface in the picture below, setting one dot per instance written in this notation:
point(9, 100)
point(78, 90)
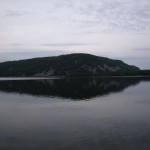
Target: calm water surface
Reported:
point(75, 114)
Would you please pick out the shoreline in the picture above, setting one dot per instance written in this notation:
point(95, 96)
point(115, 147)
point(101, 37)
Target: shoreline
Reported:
point(63, 77)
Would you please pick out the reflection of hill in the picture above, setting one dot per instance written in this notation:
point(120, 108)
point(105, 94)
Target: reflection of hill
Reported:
point(77, 88)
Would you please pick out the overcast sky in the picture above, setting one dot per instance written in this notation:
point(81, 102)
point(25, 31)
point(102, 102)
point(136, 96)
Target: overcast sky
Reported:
point(118, 29)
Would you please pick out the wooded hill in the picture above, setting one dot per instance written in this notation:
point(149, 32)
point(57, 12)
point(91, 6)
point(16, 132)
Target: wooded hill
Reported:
point(71, 65)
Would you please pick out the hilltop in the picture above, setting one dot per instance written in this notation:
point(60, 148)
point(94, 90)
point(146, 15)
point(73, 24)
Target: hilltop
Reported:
point(71, 65)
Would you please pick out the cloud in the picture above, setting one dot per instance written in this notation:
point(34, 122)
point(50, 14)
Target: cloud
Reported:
point(66, 44)
point(142, 49)
point(15, 44)
point(16, 13)
point(86, 15)
point(26, 54)
point(113, 28)
point(117, 15)
point(98, 15)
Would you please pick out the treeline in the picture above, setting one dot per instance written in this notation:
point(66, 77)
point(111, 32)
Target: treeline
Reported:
point(144, 72)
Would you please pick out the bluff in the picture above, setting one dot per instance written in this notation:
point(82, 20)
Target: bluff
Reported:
point(70, 65)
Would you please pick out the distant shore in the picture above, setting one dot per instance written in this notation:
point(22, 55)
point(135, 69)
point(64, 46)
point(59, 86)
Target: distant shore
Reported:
point(54, 77)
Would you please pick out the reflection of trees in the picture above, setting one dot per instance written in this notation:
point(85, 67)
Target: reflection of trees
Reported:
point(75, 88)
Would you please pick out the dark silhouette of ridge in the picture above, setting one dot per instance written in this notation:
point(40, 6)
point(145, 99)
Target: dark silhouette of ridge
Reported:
point(71, 65)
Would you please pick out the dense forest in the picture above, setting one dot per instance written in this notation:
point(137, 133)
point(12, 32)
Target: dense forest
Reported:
point(71, 65)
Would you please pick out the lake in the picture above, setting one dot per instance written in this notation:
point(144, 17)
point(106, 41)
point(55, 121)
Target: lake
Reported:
point(75, 114)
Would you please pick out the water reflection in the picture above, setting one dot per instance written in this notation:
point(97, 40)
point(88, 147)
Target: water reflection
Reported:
point(77, 89)
point(113, 122)
point(111, 134)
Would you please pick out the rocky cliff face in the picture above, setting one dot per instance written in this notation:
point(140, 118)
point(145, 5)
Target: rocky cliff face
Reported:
point(67, 65)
